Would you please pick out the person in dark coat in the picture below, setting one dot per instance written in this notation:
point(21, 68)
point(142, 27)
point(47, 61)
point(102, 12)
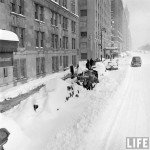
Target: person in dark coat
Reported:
point(91, 62)
point(88, 64)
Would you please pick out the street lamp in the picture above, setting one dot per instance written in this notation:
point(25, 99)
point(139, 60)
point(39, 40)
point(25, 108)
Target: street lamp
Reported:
point(103, 29)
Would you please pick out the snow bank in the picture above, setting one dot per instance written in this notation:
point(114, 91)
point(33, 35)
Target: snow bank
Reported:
point(32, 84)
point(64, 129)
point(100, 68)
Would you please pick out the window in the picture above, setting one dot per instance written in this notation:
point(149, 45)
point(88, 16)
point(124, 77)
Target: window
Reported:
point(36, 11)
point(39, 12)
point(60, 19)
point(37, 66)
point(65, 42)
point(83, 13)
point(65, 61)
point(40, 66)
point(55, 64)
point(60, 43)
point(60, 60)
point(83, 34)
point(54, 41)
point(39, 38)
point(64, 3)
point(74, 62)
point(73, 26)
point(17, 6)
point(16, 69)
point(19, 69)
point(21, 36)
point(5, 71)
point(65, 23)
point(21, 7)
point(83, 55)
point(73, 43)
point(42, 39)
point(1, 1)
point(23, 68)
point(13, 5)
point(54, 19)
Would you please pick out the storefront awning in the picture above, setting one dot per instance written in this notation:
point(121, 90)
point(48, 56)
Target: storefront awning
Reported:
point(6, 35)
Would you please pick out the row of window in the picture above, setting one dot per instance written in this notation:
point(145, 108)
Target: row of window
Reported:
point(20, 70)
point(39, 39)
point(59, 61)
point(18, 7)
point(64, 4)
point(63, 21)
point(39, 36)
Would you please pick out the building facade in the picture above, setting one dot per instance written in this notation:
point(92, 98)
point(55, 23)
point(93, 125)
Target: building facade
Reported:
point(48, 36)
point(94, 28)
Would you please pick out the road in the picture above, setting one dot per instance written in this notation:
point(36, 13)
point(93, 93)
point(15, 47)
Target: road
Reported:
point(128, 115)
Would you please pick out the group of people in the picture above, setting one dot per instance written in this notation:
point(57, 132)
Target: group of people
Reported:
point(89, 63)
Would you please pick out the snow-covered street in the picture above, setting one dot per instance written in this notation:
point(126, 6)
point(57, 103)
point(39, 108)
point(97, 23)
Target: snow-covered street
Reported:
point(128, 115)
point(117, 108)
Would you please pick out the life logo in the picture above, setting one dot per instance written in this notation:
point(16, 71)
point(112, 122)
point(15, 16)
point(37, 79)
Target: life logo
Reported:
point(137, 143)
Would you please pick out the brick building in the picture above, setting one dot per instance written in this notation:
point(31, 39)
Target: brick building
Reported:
point(48, 36)
point(94, 27)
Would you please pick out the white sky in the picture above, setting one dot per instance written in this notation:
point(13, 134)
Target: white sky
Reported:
point(139, 21)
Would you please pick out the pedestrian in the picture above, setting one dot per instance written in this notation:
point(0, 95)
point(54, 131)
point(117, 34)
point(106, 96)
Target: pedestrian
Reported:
point(88, 64)
point(91, 62)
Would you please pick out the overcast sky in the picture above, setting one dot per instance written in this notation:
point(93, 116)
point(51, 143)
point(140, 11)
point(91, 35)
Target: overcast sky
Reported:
point(139, 21)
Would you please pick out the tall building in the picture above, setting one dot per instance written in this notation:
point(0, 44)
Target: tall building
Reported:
point(126, 30)
point(48, 37)
point(117, 23)
point(94, 27)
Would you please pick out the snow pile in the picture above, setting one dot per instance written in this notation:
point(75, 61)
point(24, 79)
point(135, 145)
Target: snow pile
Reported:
point(82, 65)
point(32, 84)
point(59, 123)
point(100, 68)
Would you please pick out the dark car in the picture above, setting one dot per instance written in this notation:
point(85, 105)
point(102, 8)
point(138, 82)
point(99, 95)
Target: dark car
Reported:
point(136, 61)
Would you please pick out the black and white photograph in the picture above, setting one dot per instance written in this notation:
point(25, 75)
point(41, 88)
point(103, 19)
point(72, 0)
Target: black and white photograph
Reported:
point(74, 74)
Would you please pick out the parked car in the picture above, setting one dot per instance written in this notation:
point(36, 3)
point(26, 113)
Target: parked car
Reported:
point(136, 61)
point(112, 65)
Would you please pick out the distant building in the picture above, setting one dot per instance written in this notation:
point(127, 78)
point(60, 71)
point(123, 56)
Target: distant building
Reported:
point(121, 36)
point(117, 23)
point(94, 21)
point(126, 31)
point(48, 37)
